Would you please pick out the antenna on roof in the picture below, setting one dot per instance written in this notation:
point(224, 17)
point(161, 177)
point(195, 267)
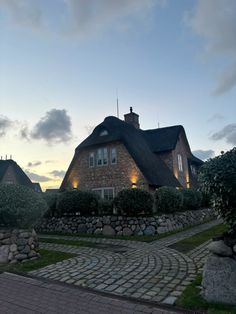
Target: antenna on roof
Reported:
point(117, 104)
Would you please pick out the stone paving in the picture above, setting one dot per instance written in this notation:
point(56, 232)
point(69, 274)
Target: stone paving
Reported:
point(150, 271)
point(22, 295)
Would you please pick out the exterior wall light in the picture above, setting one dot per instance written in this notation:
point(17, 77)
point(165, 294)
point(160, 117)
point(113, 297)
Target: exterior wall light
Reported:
point(134, 185)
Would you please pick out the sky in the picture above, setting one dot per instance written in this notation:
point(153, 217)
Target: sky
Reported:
point(63, 63)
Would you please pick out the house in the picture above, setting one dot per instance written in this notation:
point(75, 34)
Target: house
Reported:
point(118, 154)
point(11, 173)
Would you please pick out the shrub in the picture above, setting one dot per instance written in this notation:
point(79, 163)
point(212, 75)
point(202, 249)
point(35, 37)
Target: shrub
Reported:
point(51, 199)
point(168, 199)
point(20, 206)
point(218, 178)
point(134, 201)
point(192, 199)
point(84, 202)
point(105, 207)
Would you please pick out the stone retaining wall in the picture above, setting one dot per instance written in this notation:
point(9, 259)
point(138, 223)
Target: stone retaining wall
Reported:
point(122, 225)
point(18, 245)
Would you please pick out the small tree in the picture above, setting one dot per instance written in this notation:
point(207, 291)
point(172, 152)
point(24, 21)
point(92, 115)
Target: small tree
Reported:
point(218, 178)
point(20, 207)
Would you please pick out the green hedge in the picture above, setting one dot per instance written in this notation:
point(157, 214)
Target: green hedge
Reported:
point(20, 207)
point(83, 202)
point(192, 199)
point(105, 207)
point(168, 200)
point(51, 199)
point(134, 202)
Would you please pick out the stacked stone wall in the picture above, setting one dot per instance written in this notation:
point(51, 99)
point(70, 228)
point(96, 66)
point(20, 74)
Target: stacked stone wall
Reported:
point(122, 225)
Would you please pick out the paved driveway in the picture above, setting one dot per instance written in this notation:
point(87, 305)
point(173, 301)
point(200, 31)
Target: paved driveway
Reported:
point(146, 271)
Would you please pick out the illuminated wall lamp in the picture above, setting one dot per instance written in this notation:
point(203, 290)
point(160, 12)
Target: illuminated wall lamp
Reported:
point(134, 185)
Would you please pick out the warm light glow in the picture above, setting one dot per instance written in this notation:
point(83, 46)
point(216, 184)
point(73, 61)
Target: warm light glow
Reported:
point(75, 184)
point(176, 174)
point(187, 181)
point(134, 185)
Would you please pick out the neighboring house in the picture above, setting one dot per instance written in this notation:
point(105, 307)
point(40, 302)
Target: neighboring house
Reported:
point(11, 173)
point(118, 154)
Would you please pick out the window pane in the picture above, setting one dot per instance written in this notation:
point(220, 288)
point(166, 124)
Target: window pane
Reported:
point(99, 157)
point(180, 164)
point(105, 156)
point(108, 194)
point(98, 192)
point(113, 156)
point(91, 160)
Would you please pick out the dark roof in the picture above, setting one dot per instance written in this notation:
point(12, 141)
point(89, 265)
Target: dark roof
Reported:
point(21, 177)
point(163, 139)
point(37, 187)
point(153, 168)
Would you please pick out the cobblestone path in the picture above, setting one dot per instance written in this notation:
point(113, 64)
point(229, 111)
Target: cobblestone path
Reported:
point(150, 271)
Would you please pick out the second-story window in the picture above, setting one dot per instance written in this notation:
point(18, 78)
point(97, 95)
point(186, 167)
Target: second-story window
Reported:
point(105, 156)
point(113, 156)
point(193, 170)
point(99, 157)
point(91, 159)
point(180, 162)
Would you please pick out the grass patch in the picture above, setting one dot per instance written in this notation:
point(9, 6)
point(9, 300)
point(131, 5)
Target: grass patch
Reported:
point(140, 238)
point(191, 243)
point(67, 242)
point(47, 258)
point(191, 299)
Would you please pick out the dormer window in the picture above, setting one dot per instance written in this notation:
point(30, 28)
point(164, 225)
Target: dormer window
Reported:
point(103, 133)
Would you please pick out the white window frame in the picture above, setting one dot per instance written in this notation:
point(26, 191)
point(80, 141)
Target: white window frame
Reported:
point(104, 189)
point(105, 156)
point(91, 155)
point(193, 169)
point(101, 153)
point(180, 162)
point(99, 157)
point(111, 156)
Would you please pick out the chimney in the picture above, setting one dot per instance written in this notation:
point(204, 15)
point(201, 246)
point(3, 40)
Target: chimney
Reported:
point(132, 118)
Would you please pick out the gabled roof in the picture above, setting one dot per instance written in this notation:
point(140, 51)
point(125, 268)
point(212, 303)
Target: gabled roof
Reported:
point(153, 168)
point(21, 177)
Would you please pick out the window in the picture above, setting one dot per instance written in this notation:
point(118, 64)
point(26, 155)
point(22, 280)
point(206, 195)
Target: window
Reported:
point(105, 156)
point(103, 133)
point(105, 193)
point(99, 157)
point(113, 156)
point(180, 163)
point(91, 159)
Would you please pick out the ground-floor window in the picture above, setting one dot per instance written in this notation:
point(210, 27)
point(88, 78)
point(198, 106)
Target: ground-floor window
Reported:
point(105, 193)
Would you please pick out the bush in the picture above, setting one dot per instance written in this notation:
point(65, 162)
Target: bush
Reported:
point(20, 207)
point(86, 203)
point(105, 207)
point(134, 202)
point(192, 199)
point(218, 178)
point(51, 200)
point(168, 199)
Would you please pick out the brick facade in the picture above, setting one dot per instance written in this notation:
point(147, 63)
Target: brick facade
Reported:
point(118, 176)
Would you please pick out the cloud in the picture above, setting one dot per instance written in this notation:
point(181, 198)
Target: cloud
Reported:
point(26, 13)
point(216, 118)
point(35, 177)
point(228, 133)
point(77, 17)
point(5, 124)
point(215, 21)
point(204, 154)
point(54, 127)
point(34, 164)
point(58, 173)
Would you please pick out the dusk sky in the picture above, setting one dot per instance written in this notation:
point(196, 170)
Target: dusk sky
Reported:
point(63, 63)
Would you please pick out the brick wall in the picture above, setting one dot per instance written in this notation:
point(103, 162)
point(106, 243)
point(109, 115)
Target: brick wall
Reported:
point(118, 176)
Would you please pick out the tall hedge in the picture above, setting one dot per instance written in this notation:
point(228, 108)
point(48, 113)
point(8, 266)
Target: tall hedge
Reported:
point(83, 202)
point(218, 178)
point(134, 202)
point(20, 207)
point(192, 199)
point(168, 200)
